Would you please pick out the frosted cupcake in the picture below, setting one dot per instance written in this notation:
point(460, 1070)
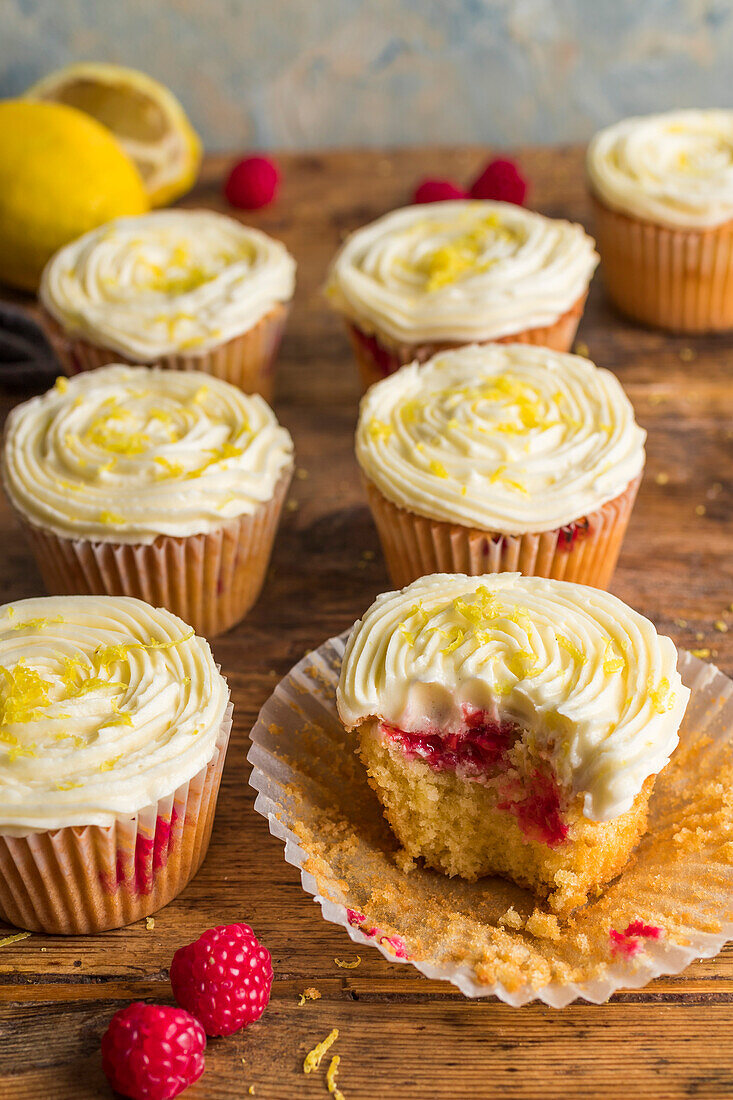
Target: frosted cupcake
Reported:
point(435, 276)
point(183, 289)
point(662, 189)
point(115, 723)
point(500, 457)
point(158, 484)
point(513, 726)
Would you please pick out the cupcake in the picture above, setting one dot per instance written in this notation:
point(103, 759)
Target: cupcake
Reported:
point(183, 289)
point(499, 457)
point(135, 481)
point(115, 723)
point(662, 191)
point(437, 276)
point(513, 726)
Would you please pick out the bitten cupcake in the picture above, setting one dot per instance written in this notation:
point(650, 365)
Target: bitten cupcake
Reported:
point(435, 276)
point(662, 189)
point(182, 289)
point(513, 726)
point(158, 484)
point(115, 723)
point(499, 457)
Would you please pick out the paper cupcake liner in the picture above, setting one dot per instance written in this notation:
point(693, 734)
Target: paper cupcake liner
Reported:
point(490, 937)
point(209, 580)
point(377, 356)
point(247, 360)
point(675, 279)
point(585, 551)
point(80, 880)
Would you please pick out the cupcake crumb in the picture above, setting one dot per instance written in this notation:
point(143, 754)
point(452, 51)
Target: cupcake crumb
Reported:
point(721, 626)
point(687, 355)
point(150, 923)
point(581, 348)
point(309, 994)
point(511, 919)
point(700, 509)
point(662, 478)
point(544, 926)
point(404, 861)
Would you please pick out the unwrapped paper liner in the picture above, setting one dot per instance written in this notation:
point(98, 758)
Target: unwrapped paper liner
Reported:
point(210, 580)
point(378, 355)
point(247, 360)
point(84, 879)
point(678, 888)
point(416, 546)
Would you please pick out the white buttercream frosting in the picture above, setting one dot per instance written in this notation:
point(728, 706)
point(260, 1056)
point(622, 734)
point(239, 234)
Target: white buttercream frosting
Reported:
point(106, 705)
point(503, 437)
point(674, 168)
point(175, 281)
point(588, 675)
point(125, 454)
point(461, 271)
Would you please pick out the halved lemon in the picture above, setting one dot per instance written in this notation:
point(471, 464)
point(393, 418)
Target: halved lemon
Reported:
point(145, 117)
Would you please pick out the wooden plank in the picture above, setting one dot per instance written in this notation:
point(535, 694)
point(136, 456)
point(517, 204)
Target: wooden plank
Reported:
point(401, 1036)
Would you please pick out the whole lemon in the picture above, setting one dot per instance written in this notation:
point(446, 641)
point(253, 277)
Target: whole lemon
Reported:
point(61, 173)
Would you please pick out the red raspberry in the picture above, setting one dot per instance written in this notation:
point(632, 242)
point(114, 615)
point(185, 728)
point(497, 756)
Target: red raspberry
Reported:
point(223, 978)
point(152, 1052)
point(501, 181)
point(431, 190)
point(252, 183)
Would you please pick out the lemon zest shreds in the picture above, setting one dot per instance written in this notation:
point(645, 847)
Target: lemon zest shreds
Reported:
point(661, 697)
point(168, 468)
point(438, 469)
point(348, 965)
point(313, 1057)
point(379, 430)
point(24, 692)
point(309, 994)
point(108, 765)
point(108, 655)
point(36, 624)
point(331, 1078)
point(612, 660)
point(7, 940)
point(111, 518)
point(573, 650)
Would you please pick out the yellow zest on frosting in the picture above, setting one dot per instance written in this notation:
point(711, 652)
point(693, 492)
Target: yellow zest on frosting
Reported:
point(171, 281)
point(533, 651)
point(460, 271)
point(126, 454)
point(507, 438)
point(673, 169)
point(99, 696)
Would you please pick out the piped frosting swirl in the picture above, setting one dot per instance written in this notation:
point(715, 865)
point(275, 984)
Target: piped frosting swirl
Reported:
point(124, 454)
point(175, 281)
point(589, 676)
point(674, 168)
point(502, 437)
point(460, 271)
point(106, 705)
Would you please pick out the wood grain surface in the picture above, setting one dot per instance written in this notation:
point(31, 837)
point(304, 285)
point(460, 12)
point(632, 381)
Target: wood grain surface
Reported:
point(401, 1036)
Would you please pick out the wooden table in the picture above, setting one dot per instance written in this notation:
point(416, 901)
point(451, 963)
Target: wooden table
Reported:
point(401, 1036)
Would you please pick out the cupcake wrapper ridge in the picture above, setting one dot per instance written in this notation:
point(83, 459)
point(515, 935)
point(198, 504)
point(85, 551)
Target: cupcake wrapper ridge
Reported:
point(247, 360)
point(209, 580)
point(585, 552)
point(377, 356)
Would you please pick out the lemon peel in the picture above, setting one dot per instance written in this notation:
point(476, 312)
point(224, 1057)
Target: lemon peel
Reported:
point(314, 1057)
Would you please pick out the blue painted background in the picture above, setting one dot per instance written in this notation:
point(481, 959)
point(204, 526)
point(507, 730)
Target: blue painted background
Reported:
point(314, 73)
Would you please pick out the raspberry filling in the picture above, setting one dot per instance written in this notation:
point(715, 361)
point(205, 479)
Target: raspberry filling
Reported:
point(480, 751)
point(628, 942)
point(386, 360)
